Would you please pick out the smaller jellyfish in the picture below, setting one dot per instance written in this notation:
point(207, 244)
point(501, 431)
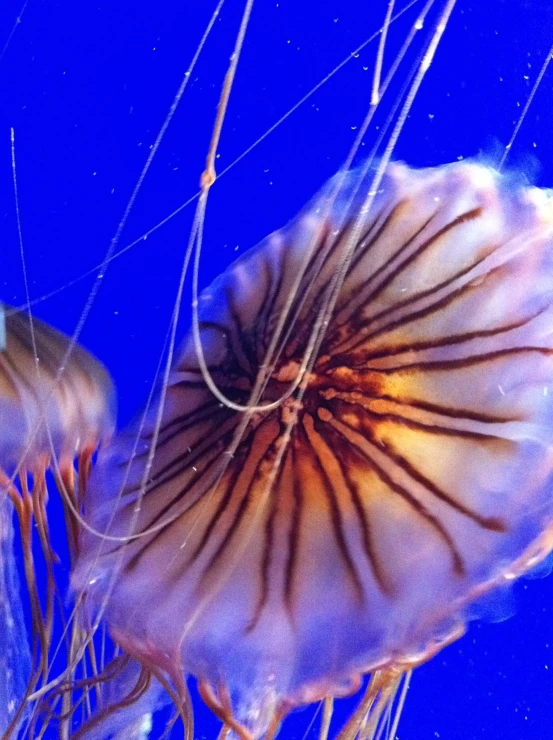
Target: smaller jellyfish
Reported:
point(355, 445)
point(56, 407)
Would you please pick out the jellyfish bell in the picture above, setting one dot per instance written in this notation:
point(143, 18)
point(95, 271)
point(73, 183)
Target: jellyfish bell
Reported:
point(57, 404)
point(52, 400)
point(354, 445)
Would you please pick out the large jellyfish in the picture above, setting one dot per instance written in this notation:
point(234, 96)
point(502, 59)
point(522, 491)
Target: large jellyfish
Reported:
point(491, 53)
point(355, 444)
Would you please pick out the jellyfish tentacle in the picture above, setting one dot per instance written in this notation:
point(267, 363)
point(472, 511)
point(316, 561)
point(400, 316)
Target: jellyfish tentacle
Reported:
point(328, 710)
point(222, 710)
point(378, 698)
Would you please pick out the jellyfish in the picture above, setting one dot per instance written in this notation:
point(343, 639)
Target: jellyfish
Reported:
point(449, 120)
point(56, 407)
point(355, 445)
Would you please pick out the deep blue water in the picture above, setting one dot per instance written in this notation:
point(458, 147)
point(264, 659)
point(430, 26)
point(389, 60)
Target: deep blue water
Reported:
point(86, 86)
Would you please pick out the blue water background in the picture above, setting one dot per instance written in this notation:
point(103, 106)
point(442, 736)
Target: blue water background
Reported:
point(86, 86)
